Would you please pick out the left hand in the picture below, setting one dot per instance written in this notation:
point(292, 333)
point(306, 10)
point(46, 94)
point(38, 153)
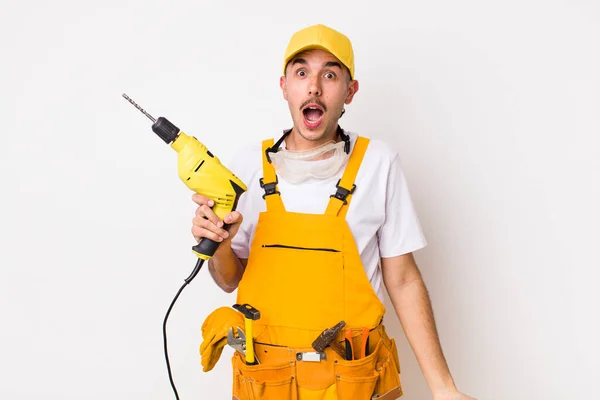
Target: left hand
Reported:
point(452, 395)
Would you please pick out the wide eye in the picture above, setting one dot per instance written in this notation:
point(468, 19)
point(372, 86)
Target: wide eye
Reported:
point(301, 72)
point(330, 75)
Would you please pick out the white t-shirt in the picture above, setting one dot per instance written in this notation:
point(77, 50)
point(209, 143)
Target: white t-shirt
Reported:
point(381, 215)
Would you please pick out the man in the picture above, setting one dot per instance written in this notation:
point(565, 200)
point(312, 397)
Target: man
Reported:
point(326, 220)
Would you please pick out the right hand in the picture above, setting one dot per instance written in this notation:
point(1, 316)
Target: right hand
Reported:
point(206, 224)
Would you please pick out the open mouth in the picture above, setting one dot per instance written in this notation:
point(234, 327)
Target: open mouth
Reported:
point(313, 115)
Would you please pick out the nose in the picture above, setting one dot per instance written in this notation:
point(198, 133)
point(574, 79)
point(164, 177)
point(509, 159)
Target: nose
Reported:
point(314, 87)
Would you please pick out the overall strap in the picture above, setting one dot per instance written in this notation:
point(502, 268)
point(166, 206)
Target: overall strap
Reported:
point(339, 202)
point(269, 181)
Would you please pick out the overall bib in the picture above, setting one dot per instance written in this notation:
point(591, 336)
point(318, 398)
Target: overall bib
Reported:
point(304, 275)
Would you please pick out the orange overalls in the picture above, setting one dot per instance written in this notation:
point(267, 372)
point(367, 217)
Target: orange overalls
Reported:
point(304, 275)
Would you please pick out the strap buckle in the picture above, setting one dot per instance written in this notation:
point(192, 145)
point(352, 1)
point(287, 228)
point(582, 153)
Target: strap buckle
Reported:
point(270, 188)
point(311, 356)
point(342, 193)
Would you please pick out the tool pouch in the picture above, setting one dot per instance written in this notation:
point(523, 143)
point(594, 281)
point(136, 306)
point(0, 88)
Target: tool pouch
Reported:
point(282, 376)
point(262, 381)
point(375, 376)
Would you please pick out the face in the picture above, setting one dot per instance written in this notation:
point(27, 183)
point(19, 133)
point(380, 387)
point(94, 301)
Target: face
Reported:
point(316, 87)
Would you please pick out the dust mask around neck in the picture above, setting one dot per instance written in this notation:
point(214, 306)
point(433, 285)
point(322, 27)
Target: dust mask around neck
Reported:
point(319, 163)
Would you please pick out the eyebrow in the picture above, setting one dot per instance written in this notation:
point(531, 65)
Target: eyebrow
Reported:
point(328, 64)
point(299, 61)
point(332, 64)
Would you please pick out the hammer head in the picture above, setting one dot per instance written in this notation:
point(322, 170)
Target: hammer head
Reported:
point(325, 338)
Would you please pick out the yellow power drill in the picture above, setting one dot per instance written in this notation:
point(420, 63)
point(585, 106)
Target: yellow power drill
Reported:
point(203, 173)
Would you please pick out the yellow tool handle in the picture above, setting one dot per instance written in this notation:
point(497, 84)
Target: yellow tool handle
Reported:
point(249, 342)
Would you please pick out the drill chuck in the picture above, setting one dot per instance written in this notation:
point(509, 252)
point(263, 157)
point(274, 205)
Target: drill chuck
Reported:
point(165, 130)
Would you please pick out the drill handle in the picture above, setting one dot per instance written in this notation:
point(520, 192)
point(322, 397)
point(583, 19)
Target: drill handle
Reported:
point(207, 247)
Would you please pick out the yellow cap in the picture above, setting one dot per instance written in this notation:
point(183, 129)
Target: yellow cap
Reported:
point(321, 37)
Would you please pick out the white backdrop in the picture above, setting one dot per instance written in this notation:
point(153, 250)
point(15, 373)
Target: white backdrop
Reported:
point(493, 106)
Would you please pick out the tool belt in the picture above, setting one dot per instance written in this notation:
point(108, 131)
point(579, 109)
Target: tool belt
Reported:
point(285, 373)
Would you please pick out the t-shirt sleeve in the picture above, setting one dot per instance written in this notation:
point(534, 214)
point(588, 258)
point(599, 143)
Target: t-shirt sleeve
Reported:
point(401, 232)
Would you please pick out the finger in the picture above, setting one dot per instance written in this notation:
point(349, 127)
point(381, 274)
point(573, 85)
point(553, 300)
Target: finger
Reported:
point(233, 220)
point(199, 233)
point(208, 225)
point(206, 211)
point(201, 200)
point(233, 217)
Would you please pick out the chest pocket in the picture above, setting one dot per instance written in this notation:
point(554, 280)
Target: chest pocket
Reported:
point(299, 278)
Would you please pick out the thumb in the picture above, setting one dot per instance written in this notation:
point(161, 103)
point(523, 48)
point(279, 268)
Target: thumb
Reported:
point(234, 219)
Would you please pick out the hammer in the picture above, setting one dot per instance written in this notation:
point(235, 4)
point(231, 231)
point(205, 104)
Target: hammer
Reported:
point(250, 314)
point(327, 338)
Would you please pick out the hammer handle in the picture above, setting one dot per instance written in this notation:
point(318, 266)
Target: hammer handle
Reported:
point(338, 348)
point(249, 342)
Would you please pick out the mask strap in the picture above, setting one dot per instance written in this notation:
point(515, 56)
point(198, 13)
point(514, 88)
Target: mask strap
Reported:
point(274, 148)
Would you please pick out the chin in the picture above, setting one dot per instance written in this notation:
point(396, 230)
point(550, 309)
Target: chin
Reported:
point(312, 135)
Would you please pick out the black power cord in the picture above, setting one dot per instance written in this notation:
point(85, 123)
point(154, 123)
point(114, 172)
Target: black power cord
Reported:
point(187, 281)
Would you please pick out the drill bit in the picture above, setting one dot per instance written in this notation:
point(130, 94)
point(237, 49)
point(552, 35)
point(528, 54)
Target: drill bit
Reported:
point(139, 108)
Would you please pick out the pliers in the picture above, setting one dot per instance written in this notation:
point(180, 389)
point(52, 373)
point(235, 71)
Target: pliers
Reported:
point(364, 344)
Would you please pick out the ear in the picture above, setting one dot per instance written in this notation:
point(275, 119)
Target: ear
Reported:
point(282, 85)
point(352, 89)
